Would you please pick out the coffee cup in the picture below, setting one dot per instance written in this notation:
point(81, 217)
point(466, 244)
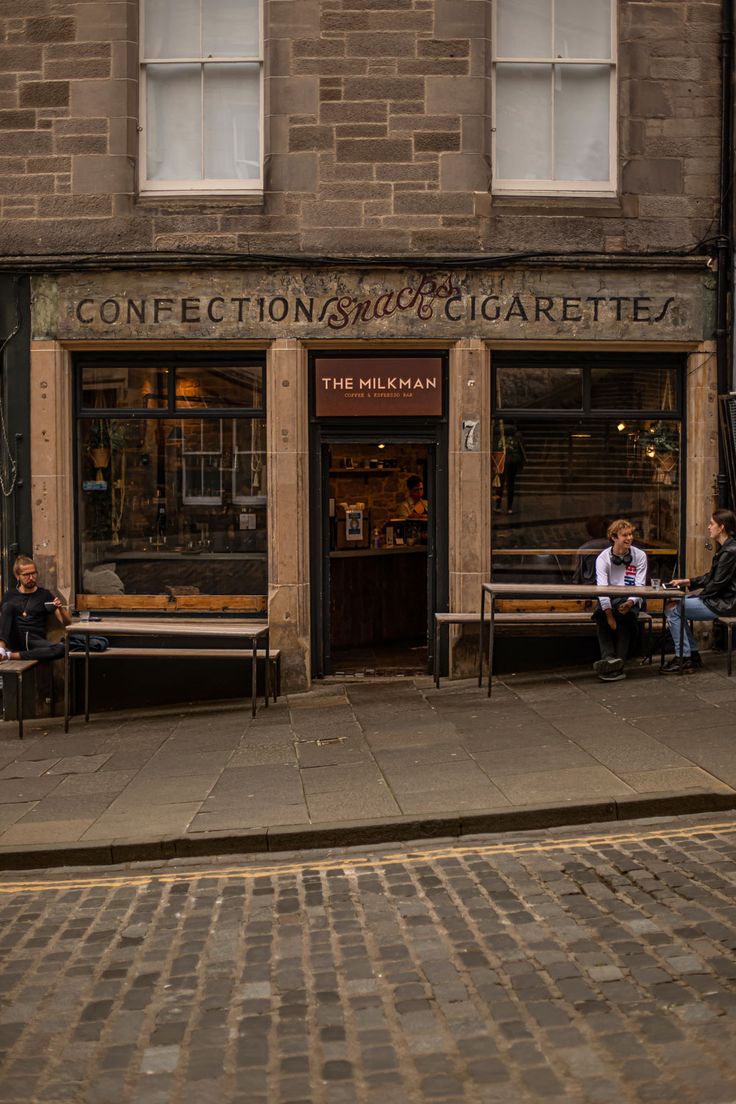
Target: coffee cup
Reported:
point(49, 606)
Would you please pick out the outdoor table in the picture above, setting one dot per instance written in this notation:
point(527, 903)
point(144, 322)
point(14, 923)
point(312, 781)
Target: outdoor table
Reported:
point(223, 629)
point(566, 590)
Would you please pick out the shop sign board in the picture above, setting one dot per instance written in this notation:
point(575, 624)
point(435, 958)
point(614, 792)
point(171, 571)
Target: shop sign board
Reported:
point(366, 387)
point(372, 303)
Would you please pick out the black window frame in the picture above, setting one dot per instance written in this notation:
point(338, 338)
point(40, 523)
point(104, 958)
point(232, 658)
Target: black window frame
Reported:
point(171, 361)
point(152, 359)
point(586, 360)
point(519, 359)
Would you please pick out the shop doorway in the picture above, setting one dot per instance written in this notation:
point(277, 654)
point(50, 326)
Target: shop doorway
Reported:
point(379, 551)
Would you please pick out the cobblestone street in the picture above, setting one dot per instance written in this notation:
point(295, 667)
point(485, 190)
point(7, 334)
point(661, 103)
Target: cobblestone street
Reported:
point(592, 965)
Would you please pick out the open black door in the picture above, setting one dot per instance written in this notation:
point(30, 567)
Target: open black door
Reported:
point(391, 582)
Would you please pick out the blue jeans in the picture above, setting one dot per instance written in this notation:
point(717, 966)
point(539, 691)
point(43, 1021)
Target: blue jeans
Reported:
point(695, 610)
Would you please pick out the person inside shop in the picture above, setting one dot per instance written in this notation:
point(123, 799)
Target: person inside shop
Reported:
point(514, 460)
point(23, 615)
point(415, 505)
point(716, 597)
point(621, 564)
point(596, 528)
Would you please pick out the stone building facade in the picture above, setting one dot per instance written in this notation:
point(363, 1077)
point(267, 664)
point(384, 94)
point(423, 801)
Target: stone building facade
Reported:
point(378, 137)
point(378, 226)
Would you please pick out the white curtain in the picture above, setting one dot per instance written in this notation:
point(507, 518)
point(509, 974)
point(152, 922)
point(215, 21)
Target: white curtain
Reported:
point(232, 122)
point(173, 122)
point(171, 29)
point(553, 121)
point(203, 121)
point(230, 28)
point(581, 122)
point(583, 28)
point(524, 28)
point(523, 122)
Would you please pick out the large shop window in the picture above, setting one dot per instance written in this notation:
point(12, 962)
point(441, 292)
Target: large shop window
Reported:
point(554, 102)
point(579, 440)
point(171, 477)
point(201, 91)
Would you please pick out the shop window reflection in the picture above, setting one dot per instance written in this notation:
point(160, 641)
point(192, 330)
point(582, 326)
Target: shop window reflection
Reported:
point(572, 472)
point(170, 504)
point(124, 387)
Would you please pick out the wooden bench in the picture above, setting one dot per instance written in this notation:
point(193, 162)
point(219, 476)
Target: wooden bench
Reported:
point(729, 623)
point(579, 619)
point(16, 668)
point(274, 659)
point(159, 629)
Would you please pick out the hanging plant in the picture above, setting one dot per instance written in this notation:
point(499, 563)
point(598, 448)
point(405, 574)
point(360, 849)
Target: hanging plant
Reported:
point(662, 438)
point(661, 444)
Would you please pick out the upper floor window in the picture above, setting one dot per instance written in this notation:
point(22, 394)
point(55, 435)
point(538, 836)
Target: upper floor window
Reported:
point(554, 96)
point(201, 96)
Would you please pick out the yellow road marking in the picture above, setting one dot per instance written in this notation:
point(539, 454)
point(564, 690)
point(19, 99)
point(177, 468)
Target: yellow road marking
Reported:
point(360, 862)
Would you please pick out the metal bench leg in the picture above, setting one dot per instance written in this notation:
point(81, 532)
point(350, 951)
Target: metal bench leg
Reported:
point(67, 673)
point(253, 679)
point(491, 630)
point(267, 678)
point(19, 693)
point(480, 637)
point(437, 655)
point(86, 679)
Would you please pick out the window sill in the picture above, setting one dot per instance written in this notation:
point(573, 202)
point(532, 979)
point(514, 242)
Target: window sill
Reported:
point(255, 200)
point(626, 206)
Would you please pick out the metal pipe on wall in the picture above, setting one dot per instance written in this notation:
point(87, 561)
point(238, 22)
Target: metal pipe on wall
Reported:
point(724, 245)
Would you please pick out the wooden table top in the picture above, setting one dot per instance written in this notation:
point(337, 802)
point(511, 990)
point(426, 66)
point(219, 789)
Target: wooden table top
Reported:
point(170, 626)
point(575, 590)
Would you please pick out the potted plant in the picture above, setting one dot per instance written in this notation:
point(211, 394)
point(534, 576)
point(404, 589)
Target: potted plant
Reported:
point(98, 448)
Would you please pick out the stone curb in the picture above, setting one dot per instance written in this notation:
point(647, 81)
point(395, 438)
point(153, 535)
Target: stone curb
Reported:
point(296, 837)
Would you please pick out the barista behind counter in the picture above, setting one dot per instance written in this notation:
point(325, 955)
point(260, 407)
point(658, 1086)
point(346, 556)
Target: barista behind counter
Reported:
point(415, 506)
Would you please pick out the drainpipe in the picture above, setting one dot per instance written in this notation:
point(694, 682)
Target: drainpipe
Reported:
point(724, 249)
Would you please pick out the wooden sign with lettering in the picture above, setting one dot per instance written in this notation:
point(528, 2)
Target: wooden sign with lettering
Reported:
point(366, 387)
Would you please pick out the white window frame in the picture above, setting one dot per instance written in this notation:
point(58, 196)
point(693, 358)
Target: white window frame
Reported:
point(240, 499)
point(203, 454)
point(205, 185)
point(605, 188)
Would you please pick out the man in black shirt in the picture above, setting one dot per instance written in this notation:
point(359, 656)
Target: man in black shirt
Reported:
point(23, 616)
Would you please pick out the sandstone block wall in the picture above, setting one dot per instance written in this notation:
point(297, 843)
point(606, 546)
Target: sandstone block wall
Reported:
point(377, 136)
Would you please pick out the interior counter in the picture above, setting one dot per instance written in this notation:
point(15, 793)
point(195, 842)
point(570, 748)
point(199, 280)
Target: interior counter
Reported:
point(378, 595)
point(357, 553)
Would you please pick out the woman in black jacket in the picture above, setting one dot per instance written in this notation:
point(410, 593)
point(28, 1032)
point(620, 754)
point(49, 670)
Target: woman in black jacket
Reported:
point(717, 592)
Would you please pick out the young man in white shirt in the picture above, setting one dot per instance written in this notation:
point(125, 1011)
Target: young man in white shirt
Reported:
point(620, 565)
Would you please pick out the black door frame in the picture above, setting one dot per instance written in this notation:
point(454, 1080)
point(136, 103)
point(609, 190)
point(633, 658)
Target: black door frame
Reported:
point(324, 432)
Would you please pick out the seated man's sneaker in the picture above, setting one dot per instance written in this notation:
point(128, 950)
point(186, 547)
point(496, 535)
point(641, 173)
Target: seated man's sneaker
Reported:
point(616, 676)
point(690, 663)
point(610, 666)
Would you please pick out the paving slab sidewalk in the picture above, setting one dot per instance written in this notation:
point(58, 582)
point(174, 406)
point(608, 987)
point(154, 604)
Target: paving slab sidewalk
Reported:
point(360, 762)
